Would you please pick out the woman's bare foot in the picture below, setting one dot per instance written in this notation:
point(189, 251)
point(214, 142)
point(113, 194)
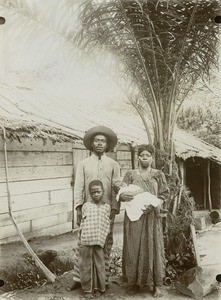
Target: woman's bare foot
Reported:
point(157, 292)
point(133, 289)
point(151, 288)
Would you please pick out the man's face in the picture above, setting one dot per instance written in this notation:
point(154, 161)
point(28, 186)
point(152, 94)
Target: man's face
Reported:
point(96, 193)
point(99, 144)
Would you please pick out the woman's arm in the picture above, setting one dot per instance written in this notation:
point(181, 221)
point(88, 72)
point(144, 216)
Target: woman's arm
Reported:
point(125, 197)
point(163, 189)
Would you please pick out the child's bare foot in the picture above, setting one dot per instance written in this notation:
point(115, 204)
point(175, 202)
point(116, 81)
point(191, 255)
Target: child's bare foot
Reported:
point(157, 292)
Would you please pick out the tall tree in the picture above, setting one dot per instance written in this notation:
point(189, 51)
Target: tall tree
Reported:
point(162, 48)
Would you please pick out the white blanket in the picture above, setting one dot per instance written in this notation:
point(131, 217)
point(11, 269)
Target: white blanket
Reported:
point(140, 202)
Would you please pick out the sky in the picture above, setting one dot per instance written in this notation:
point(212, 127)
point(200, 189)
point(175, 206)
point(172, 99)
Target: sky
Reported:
point(44, 62)
point(37, 57)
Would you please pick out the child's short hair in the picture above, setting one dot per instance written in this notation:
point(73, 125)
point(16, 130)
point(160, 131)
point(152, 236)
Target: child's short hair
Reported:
point(96, 182)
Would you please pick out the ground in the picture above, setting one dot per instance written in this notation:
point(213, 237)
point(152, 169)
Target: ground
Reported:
point(209, 248)
point(116, 292)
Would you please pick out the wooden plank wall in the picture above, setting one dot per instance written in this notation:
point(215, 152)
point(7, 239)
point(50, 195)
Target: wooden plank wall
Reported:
point(123, 157)
point(40, 175)
point(79, 153)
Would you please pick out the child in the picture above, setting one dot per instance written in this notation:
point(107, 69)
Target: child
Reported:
point(94, 228)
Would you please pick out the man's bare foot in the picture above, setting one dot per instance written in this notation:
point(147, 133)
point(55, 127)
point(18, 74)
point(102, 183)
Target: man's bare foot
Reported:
point(88, 295)
point(157, 292)
point(97, 294)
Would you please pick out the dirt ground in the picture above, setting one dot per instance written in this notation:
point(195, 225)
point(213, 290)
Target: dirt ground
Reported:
point(58, 291)
point(209, 248)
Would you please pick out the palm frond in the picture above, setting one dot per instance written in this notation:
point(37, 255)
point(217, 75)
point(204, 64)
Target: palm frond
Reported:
point(40, 31)
point(163, 46)
point(160, 48)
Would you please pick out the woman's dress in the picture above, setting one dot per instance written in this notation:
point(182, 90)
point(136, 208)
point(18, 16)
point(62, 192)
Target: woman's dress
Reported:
point(143, 259)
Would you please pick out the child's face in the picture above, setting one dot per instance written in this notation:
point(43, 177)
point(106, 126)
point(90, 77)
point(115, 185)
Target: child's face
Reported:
point(96, 193)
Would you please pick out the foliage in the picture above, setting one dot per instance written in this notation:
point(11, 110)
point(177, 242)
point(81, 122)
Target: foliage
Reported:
point(203, 121)
point(162, 48)
point(178, 242)
point(116, 261)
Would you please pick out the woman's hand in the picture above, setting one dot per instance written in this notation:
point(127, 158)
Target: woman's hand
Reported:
point(126, 197)
point(148, 209)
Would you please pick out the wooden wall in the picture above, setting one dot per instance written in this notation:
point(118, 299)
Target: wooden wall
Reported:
point(79, 153)
point(41, 176)
point(123, 157)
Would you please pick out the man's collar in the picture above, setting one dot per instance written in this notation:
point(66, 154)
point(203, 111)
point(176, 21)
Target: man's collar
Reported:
point(97, 157)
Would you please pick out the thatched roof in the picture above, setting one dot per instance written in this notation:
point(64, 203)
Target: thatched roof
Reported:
point(189, 146)
point(63, 120)
point(17, 129)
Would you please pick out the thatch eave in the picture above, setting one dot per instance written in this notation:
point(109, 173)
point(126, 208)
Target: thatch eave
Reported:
point(18, 129)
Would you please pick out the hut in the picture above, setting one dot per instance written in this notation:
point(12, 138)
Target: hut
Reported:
point(44, 148)
point(40, 168)
point(200, 169)
point(41, 161)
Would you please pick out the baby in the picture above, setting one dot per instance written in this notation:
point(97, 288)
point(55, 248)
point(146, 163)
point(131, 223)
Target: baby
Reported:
point(141, 202)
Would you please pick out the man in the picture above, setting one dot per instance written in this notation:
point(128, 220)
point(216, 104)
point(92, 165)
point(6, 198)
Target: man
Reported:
point(98, 166)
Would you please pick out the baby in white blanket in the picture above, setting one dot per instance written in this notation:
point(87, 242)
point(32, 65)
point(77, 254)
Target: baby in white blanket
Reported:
point(141, 201)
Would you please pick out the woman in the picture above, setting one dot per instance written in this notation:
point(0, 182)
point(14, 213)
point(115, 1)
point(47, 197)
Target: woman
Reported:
point(143, 249)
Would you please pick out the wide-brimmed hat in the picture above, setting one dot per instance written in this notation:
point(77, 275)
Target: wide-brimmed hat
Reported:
point(111, 137)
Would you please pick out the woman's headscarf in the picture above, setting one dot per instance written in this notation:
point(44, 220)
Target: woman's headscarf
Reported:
point(147, 147)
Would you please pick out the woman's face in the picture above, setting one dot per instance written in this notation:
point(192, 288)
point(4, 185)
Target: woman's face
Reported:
point(145, 159)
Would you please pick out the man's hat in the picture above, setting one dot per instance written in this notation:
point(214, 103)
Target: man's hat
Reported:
point(110, 135)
